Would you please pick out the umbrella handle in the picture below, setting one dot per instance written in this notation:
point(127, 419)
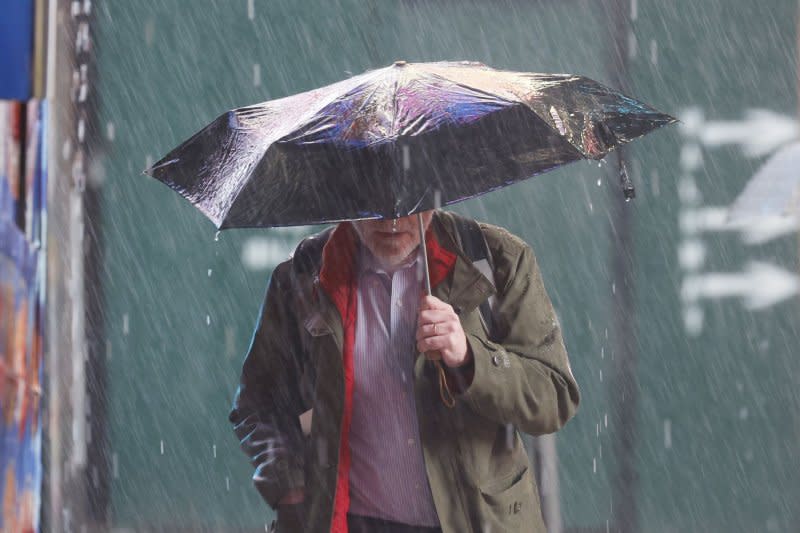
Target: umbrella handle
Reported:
point(444, 390)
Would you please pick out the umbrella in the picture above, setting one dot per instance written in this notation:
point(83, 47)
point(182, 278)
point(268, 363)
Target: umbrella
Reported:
point(396, 141)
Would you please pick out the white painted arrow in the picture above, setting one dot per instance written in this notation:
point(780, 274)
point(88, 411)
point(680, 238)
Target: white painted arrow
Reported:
point(753, 230)
point(761, 131)
point(760, 286)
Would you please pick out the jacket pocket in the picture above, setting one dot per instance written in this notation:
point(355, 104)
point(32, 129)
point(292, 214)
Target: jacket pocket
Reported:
point(509, 502)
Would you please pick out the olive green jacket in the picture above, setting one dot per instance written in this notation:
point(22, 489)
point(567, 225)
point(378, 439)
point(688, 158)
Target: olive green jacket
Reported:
point(480, 479)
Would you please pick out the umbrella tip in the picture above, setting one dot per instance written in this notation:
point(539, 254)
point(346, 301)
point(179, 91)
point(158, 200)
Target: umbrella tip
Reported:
point(628, 190)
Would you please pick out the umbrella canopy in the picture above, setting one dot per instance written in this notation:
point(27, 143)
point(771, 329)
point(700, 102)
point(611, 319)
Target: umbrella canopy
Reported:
point(396, 141)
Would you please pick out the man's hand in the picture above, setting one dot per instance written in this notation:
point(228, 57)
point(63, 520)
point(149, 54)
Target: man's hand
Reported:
point(439, 333)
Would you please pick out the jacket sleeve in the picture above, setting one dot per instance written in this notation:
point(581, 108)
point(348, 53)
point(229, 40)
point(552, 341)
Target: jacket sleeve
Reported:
point(523, 378)
point(267, 404)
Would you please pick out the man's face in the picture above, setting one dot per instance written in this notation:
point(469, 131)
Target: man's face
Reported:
point(391, 241)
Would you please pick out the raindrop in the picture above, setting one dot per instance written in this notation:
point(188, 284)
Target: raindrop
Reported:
point(115, 465)
point(634, 9)
point(613, 288)
point(601, 375)
point(208, 320)
point(599, 182)
point(162, 447)
point(216, 236)
point(251, 9)
point(743, 413)
point(605, 420)
point(632, 45)
point(214, 450)
point(557, 120)
point(227, 483)
point(209, 272)
point(627, 199)
point(125, 324)
point(594, 465)
point(667, 433)
point(257, 75)
point(597, 429)
point(110, 131)
point(149, 31)
point(653, 52)
point(603, 352)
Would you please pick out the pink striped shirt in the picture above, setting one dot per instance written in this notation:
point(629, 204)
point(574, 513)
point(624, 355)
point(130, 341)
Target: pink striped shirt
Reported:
point(387, 475)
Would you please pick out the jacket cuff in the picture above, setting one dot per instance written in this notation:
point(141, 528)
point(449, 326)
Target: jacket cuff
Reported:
point(492, 369)
point(459, 379)
point(281, 479)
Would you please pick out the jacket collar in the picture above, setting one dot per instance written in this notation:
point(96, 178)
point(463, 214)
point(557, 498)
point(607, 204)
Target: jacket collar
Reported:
point(467, 287)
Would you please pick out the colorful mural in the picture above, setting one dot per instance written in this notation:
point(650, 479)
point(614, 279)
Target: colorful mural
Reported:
point(22, 182)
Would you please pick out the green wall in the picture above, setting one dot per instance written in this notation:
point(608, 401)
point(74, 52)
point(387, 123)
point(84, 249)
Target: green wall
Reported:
point(176, 334)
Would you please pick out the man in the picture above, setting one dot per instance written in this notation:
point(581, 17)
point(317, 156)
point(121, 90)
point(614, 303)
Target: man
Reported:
point(351, 430)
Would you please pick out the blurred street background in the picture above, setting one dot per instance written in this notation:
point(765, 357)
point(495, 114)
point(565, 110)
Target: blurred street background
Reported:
point(124, 316)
